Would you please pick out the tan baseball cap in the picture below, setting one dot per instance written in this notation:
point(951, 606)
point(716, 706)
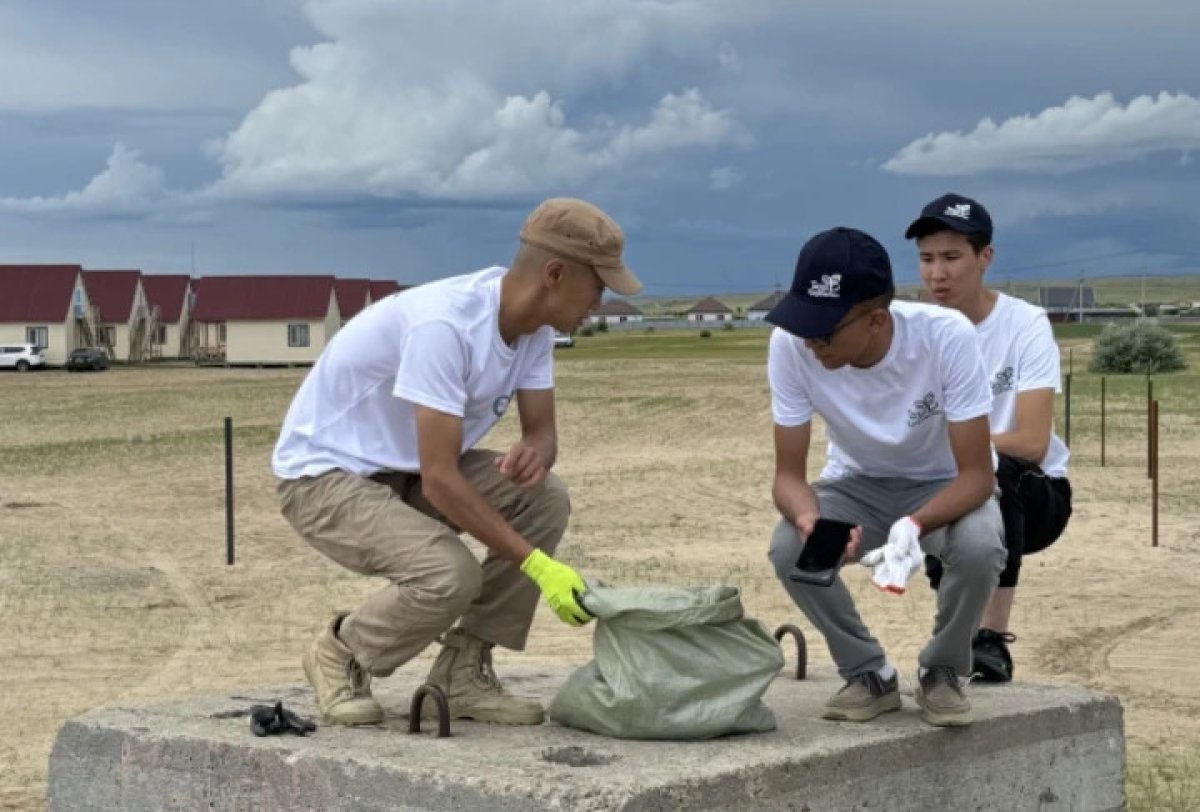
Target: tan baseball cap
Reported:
point(576, 230)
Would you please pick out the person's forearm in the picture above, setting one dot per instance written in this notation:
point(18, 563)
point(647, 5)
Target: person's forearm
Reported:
point(1030, 446)
point(466, 509)
point(794, 498)
point(546, 444)
point(965, 493)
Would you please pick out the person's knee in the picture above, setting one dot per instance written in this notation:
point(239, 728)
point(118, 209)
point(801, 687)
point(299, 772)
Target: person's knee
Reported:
point(785, 548)
point(453, 582)
point(977, 543)
point(978, 555)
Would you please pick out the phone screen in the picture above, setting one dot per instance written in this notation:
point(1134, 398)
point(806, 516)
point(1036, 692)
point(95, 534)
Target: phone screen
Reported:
point(823, 551)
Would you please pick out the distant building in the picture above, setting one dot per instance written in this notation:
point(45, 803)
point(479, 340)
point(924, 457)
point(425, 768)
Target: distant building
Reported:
point(353, 295)
point(759, 310)
point(169, 298)
point(124, 317)
point(382, 288)
point(615, 311)
point(1066, 303)
point(709, 309)
point(46, 305)
point(263, 319)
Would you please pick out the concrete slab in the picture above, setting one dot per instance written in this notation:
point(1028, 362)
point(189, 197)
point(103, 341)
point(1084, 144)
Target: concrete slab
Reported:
point(1031, 748)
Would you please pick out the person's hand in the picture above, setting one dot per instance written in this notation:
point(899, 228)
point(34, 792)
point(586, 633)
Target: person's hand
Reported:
point(522, 464)
point(805, 523)
point(896, 561)
point(560, 585)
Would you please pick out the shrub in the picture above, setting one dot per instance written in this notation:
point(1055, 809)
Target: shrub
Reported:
point(705, 334)
point(728, 326)
point(1143, 346)
point(649, 330)
point(602, 327)
point(586, 331)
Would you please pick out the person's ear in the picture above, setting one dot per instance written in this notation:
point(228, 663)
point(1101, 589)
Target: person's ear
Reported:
point(986, 256)
point(554, 271)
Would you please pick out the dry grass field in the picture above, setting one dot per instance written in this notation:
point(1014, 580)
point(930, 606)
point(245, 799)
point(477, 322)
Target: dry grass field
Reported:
point(113, 586)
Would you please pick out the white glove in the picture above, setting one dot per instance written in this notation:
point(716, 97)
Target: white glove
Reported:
point(896, 561)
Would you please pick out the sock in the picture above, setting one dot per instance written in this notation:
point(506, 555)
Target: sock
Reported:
point(887, 672)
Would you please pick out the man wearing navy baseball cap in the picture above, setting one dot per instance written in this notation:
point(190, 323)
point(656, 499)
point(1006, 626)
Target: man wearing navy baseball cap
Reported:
point(954, 246)
point(901, 389)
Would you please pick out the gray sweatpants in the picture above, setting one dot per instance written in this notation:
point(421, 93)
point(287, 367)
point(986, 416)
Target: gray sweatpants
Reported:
point(971, 550)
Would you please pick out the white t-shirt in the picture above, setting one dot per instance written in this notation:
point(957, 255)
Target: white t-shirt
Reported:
point(1019, 354)
point(888, 420)
point(435, 345)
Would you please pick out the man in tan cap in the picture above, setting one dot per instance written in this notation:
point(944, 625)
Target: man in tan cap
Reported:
point(378, 468)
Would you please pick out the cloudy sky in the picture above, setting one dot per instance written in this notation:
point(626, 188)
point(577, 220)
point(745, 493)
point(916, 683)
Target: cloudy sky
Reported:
point(408, 138)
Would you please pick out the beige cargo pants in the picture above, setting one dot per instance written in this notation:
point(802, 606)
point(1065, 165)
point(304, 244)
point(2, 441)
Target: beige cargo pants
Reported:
point(383, 526)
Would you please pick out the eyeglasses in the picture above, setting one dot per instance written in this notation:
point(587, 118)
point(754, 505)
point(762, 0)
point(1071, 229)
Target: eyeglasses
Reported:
point(826, 340)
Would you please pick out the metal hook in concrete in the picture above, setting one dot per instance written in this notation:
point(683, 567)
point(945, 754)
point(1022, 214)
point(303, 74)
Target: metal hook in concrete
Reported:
point(801, 647)
point(443, 706)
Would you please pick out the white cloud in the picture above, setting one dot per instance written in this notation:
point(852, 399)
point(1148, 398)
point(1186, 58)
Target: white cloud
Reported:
point(127, 186)
point(462, 100)
point(1080, 134)
point(724, 177)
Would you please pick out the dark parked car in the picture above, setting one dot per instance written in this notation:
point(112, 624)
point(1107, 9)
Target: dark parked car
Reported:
point(87, 358)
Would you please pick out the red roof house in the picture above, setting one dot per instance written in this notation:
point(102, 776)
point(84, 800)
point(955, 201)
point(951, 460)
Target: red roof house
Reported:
point(381, 288)
point(45, 305)
point(120, 304)
point(168, 297)
point(263, 319)
point(353, 295)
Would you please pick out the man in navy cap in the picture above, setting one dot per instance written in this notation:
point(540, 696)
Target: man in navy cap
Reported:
point(902, 391)
point(954, 243)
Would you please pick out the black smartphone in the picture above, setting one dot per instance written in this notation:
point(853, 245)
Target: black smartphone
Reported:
point(823, 553)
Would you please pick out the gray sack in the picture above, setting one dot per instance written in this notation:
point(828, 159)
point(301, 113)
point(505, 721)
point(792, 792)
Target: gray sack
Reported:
point(671, 663)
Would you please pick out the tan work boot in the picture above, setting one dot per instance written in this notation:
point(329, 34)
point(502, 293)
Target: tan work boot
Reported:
point(343, 687)
point(463, 670)
point(941, 698)
point(863, 697)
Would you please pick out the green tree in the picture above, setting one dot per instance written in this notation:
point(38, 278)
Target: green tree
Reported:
point(1143, 346)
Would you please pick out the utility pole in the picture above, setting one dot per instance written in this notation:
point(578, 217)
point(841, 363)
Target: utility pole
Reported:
point(1080, 297)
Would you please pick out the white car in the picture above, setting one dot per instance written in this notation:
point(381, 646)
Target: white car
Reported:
point(563, 339)
point(21, 357)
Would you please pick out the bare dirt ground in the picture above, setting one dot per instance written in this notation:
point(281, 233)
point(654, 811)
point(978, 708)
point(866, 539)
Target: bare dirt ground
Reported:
point(113, 586)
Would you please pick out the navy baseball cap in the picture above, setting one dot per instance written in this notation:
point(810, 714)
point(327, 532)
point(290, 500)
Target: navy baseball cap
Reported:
point(836, 270)
point(955, 212)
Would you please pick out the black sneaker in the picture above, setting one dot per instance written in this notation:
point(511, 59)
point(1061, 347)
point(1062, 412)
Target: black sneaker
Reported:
point(991, 660)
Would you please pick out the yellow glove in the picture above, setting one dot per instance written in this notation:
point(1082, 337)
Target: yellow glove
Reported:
point(559, 584)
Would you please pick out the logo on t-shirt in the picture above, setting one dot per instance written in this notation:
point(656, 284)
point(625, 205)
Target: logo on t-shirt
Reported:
point(1003, 382)
point(923, 409)
point(500, 405)
point(830, 287)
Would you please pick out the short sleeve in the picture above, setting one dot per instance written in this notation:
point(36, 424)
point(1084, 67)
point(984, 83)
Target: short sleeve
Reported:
point(965, 383)
point(433, 368)
point(790, 401)
point(1039, 365)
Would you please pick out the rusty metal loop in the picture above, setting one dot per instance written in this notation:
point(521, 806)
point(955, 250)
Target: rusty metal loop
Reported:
point(443, 706)
point(801, 647)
